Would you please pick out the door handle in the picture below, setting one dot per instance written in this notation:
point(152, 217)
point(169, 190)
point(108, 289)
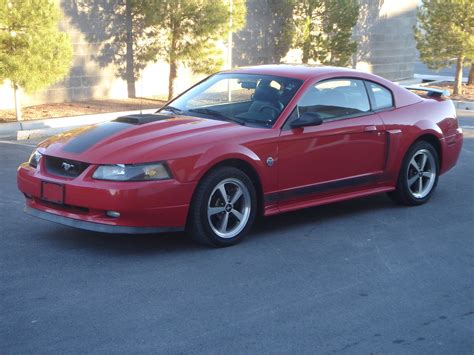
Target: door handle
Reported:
point(370, 129)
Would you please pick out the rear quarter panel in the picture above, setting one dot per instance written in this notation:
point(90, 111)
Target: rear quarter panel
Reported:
point(407, 124)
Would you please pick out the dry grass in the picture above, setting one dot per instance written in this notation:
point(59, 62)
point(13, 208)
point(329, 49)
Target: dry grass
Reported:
point(90, 107)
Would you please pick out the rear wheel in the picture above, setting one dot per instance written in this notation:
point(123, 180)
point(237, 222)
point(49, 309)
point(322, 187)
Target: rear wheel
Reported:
point(418, 175)
point(223, 208)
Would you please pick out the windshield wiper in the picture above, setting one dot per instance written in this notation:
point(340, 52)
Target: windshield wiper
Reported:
point(218, 115)
point(171, 109)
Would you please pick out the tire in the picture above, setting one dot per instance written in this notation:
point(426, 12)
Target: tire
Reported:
point(420, 163)
point(218, 223)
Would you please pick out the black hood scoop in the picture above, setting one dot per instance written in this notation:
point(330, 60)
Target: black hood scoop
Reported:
point(97, 133)
point(139, 119)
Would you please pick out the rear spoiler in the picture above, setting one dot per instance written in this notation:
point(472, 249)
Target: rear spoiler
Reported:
point(430, 92)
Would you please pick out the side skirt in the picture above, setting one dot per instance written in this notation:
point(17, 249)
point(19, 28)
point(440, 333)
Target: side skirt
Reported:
point(317, 201)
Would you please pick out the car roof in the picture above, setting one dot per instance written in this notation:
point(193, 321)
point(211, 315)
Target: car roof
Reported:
point(297, 71)
point(310, 73)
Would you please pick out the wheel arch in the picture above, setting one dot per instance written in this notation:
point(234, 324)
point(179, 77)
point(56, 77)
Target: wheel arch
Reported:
point(248, 169)
point(402, 194)
point(430, 137)
point(434, 141)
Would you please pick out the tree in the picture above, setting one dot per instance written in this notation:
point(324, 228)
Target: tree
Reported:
point(268, 34)
point(118, 29)
point(33, 52)
point(470, 80)
point(324, 30)
point(188, 31)
point(445, 33)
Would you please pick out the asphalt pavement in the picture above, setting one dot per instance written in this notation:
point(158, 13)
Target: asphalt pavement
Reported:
point(363, 276)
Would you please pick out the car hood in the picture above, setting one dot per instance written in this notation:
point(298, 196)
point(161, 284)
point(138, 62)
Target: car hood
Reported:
point(124, 141)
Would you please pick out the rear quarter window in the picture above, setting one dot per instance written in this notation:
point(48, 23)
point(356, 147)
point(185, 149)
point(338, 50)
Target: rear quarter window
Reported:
point(382, 97)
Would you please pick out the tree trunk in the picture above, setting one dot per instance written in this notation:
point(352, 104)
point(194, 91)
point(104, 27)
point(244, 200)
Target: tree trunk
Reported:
point(307, 34)
point(305, 57)
point(307, 42)
point(458, 78)
point(172, 77)
point(173, 67)
point(470, 81)
point(129, 71)
point(16, 92)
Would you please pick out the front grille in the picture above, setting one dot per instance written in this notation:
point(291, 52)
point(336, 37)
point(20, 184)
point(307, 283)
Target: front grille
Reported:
point(64, 167)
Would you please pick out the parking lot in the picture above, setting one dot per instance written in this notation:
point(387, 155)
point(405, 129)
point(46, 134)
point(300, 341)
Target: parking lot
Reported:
point(363, 276)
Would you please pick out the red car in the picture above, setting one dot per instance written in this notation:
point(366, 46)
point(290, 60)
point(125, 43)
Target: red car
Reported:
point(253, 141)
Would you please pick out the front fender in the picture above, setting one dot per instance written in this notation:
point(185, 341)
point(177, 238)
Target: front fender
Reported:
point(217, 154)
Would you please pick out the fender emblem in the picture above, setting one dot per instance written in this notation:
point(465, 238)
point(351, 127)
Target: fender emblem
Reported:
point(270, 161)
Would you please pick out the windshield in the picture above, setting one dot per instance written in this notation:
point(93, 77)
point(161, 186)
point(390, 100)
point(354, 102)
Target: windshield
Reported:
point(247, 99)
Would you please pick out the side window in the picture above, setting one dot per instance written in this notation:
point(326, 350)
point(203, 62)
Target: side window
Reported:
point(334, 99)
point(382, 96)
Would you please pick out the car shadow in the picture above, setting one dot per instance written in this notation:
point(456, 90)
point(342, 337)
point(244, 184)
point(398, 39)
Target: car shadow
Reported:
point(125, 244)
point(324, 214)
point(270, 227)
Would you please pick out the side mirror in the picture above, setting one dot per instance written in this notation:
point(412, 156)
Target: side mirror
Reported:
point(307, 119)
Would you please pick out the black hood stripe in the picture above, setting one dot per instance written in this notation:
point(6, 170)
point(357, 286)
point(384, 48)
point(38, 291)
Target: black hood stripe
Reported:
point(84, 141)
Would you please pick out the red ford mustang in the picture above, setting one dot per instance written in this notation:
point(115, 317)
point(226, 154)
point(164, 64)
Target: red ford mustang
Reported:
point(260, 140)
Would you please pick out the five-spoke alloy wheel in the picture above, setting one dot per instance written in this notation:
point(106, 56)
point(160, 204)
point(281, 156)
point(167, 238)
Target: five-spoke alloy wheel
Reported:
point(223, 208)
point(229, 208)
point(421, 173)
point(418, 175)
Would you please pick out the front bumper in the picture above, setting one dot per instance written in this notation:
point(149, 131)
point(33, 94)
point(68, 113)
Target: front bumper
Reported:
point(144, 206)
point(97, 227)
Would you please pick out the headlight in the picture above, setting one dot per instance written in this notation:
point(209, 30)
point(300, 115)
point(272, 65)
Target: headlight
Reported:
point(35, 158)
point(141, 172)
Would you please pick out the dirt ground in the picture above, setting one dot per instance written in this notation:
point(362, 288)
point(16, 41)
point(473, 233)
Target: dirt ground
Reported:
point(80, 108)
point(468, 91)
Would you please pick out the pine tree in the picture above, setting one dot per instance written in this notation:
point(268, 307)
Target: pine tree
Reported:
point(445, 34)
point(188, 31)
point(324, 30)
point(33, 52)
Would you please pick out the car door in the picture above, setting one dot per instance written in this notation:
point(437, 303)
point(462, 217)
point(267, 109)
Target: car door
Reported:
point(347, 151)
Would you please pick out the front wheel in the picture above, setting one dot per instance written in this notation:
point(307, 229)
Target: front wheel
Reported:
point(418, 175)
point(223, 208)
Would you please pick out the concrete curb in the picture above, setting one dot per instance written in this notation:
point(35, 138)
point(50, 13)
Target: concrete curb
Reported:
point(464, 105)
point(436, 78)
point(43, 128)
